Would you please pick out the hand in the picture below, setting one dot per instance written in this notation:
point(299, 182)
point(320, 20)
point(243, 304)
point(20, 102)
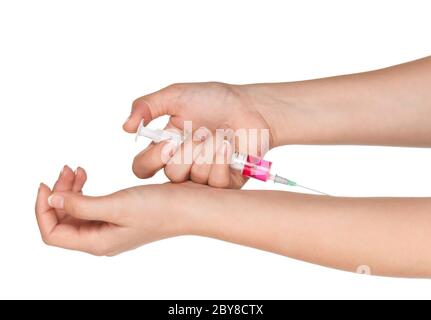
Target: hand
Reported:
point(110, 224)
point(208, 105)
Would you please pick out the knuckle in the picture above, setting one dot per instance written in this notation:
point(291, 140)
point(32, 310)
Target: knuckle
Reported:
point(177, 179)
point(198, 179)
point(102, 247)
point(199, 176)
point(96, 253)
point(137, 172)
point(174, 175)
point(99, 250)
point(50, 239)
point(219, 183)
point(112, 254)
point(137, 102)
point(174, 90)
point(138, 169)
point(176, 86)
point(46, 239)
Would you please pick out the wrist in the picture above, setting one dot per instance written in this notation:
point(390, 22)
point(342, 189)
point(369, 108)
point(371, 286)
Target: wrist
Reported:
point(280, 106)
point(304, 112)
point(198, 208)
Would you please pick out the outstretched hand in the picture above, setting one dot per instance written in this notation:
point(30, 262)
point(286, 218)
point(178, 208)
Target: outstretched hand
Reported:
point(110, 224)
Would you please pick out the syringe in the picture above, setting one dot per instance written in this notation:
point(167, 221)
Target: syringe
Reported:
point(249, 166)
point(260, 169)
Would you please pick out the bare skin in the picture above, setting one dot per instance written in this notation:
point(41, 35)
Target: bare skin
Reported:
point(389, 235)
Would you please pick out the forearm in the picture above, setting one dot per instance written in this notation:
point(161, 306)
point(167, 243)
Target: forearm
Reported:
point(391, 106)
point(391, 236)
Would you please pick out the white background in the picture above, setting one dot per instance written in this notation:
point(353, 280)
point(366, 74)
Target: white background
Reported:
point(69, 71)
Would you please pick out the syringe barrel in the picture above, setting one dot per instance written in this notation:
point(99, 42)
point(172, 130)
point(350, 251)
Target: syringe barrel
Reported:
point(251, 166)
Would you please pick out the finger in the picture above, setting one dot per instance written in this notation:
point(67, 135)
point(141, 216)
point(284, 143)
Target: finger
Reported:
point(201, 167)
point(220, 172)
point(179, 166)
point(80, 179)
point(64, 183)
point(155, 156)
point(106, 209)
point(91, 237)
point(152, 106)
point(65, 180)
point(45, 215)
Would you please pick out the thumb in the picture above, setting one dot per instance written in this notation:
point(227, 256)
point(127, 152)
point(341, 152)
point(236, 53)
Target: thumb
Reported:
point(84, 207)
point(152, 106)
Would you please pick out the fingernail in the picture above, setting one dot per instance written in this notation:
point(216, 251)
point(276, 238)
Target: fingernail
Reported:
point(201, 134)
point(76, 171)
point(56, 201)
point(226, 144)
point(168, 151)
point(62, 170)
